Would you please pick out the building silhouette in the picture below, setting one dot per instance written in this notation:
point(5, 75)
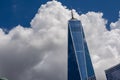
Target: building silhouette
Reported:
point(79, 62)
point(113, 73)
point(2, 78)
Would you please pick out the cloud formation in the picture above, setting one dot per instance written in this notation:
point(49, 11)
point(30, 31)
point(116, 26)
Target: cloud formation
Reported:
point(103, 44)
point(40, 52)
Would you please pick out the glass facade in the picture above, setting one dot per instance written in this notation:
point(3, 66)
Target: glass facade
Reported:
point(79, 62)
point(113, 73)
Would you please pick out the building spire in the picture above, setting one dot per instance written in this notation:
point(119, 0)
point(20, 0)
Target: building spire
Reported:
point(72, 14)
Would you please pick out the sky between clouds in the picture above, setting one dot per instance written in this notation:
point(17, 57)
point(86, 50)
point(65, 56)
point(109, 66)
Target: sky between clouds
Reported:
point(40, 52)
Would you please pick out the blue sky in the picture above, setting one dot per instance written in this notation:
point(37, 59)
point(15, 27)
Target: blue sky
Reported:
point(14, 12)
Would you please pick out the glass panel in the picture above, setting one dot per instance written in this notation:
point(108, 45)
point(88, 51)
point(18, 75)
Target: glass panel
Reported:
point(73, 69)
point(80, 50)
point(78, 41)
point(81, 62)
point(77, 36)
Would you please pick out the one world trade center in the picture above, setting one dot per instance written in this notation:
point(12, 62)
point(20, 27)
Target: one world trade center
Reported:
point(79, 62)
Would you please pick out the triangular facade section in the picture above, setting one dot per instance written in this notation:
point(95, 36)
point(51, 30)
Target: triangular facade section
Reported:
point(73, 70)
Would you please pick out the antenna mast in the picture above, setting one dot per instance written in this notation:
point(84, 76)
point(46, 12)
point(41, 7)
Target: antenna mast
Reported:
point(72, 14)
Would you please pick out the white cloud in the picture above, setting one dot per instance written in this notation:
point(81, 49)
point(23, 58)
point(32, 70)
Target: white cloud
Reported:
point(103, 44)
point(115, 25)
point(40, 52)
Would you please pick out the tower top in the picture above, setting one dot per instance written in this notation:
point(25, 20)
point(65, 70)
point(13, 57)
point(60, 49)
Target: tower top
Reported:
point(72, 15)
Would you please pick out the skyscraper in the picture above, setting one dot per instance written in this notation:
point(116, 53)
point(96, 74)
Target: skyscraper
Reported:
point(113, 73)
point(79, 62)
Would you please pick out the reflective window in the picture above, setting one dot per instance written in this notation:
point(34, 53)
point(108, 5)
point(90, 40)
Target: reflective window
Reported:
point(78, 54)
point(77, 36)
point(82, 65)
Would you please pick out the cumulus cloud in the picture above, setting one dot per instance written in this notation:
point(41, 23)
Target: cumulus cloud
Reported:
point(103, 44)
point(40, 52)
point(116, 25)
